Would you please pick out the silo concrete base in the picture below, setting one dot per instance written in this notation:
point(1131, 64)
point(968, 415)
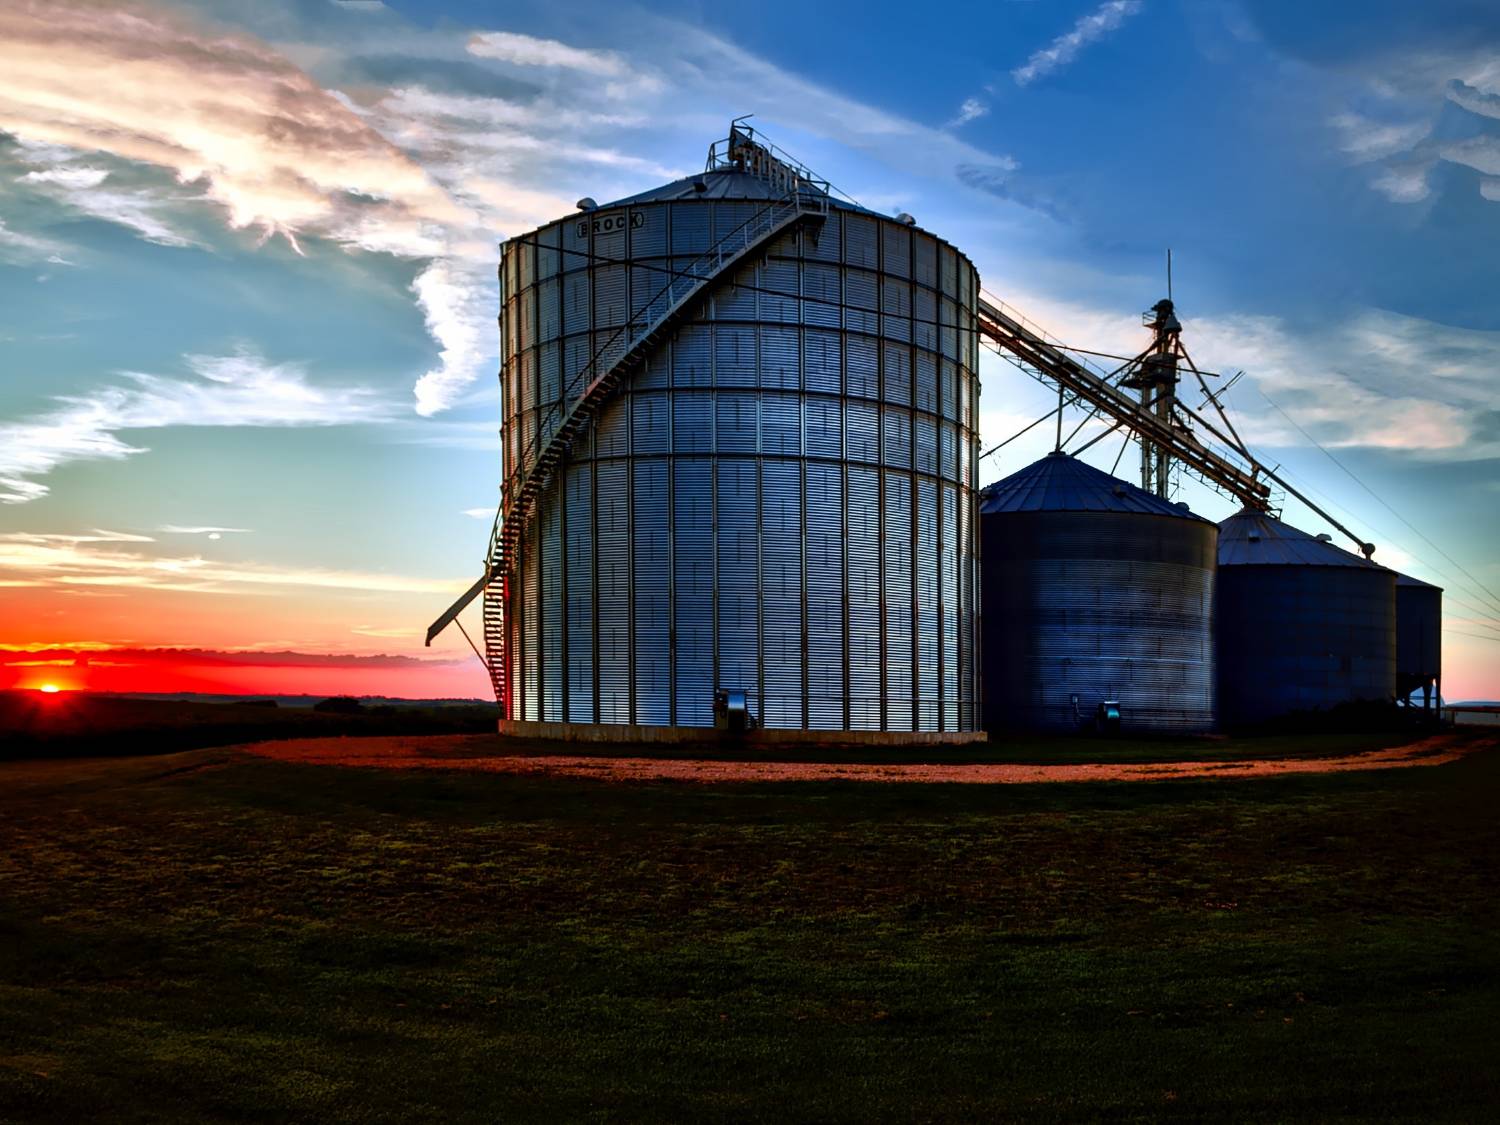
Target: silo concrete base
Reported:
point(762, 737)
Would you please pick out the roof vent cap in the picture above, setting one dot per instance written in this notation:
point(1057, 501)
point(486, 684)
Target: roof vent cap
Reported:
point(907, 219)
point(700, 184)
point(1254, 537)
point(588, 203)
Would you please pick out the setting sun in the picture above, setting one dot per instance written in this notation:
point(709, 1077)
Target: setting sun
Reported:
point(50, 689)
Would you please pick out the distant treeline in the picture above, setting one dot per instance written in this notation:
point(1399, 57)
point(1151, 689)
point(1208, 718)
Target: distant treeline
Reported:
point(78, 724)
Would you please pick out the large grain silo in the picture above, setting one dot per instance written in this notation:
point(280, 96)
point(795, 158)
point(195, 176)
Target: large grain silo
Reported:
point(1419, 640)
point(1303, 625)
point(738, 430)
point(1095, 592)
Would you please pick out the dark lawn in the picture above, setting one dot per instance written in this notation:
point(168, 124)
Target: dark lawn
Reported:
point(206, 936)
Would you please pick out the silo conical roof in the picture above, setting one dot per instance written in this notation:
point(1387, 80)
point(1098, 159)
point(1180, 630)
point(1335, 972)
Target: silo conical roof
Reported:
point(1408, 580)
point(1251, 538)
point(720, 184)
point(1060, 482)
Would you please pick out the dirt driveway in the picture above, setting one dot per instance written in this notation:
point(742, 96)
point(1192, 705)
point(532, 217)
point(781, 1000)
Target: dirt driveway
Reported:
point(456, 752)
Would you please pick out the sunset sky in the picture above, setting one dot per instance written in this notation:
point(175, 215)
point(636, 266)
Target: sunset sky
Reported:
point(247, 259)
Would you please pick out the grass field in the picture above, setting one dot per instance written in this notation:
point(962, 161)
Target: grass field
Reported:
point(209, 936)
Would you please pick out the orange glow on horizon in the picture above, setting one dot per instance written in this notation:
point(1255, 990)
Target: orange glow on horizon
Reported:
point(126, 644)
point(111, 671)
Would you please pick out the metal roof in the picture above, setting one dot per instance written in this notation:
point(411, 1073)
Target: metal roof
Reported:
point(724, 185)
point(1408, 580)
point(1060, 482)
point(1251, 538)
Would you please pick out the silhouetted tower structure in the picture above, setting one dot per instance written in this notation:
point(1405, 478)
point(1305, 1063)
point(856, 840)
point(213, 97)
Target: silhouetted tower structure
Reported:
point(1156, 381)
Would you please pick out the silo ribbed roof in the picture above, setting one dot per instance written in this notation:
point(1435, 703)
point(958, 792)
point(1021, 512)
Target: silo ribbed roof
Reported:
point(1251, 538)
point(1062, 483)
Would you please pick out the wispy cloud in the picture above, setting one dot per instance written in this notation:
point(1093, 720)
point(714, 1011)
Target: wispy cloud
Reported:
point(1364, 138)
point(1408, 96)
point(1066, 47)
point(74, 178)
point(1406, 182)
point(81, 187)
point(410, 633)
point(20, 247)
point(1375, 380)
point(526, 50)
point(234, 390)
point(971, 110)
point(97, 535)
point(176, 529)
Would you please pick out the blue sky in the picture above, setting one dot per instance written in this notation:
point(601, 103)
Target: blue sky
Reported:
point(249, 272)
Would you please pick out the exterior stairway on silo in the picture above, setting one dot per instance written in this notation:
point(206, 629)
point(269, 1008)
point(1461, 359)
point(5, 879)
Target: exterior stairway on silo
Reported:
point(494, 636)
point(609, 367)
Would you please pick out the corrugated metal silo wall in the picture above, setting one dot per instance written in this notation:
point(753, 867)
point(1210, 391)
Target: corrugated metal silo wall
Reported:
point(1419, 634)
point(1101, 605)
point(1303, 638)
point(781, 501)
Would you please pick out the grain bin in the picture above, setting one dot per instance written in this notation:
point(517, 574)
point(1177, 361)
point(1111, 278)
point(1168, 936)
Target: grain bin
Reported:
point(1303, 625)
point(1419, 640)
point(773, 493)
point(1094, 592)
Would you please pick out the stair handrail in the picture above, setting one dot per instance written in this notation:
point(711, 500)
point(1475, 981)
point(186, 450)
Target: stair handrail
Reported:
point(679, 289)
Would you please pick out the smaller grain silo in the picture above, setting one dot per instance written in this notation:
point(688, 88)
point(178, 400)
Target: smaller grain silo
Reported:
point(1419, 640)
point(1094, 592)
point(1302, 624)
